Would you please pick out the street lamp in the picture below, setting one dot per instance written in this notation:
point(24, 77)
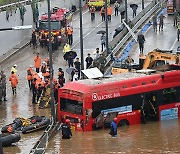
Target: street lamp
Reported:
point(142, 4)
point(126, 15)
point(81, 36)
point(51, 66)
point(107, 48)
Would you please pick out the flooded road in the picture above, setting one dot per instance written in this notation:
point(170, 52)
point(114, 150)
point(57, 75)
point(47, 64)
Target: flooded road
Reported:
point(153, 137)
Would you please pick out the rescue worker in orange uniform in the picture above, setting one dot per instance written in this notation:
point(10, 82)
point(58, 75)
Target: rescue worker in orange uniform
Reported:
point(37, 62)
point(14, 82)
point(109, 12)
point(70, 34)
point(30, 76)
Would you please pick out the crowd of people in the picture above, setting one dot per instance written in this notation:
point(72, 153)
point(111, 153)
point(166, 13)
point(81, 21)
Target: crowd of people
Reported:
point(39, 80)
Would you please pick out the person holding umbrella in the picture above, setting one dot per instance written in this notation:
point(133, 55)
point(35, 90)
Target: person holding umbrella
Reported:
point(134, 9)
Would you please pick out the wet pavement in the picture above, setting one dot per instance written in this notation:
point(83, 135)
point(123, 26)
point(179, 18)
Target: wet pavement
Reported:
point(134, 139)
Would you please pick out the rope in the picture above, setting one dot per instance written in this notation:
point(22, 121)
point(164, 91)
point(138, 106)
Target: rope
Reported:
point(25, 121)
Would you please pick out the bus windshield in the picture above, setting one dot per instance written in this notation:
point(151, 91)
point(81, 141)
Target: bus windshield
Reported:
point(72, 106)
point(55, 25)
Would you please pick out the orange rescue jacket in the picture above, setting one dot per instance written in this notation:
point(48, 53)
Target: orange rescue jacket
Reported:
point(37, 62)
point(14, 80)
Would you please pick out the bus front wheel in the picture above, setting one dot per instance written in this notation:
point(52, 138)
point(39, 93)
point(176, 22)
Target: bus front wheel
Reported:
point(123, 123)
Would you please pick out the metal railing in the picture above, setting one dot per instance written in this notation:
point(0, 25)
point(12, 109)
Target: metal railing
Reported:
point(16, 3)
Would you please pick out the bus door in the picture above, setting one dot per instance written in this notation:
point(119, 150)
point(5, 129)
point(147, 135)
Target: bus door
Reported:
point(104, 120)
point(99, 120)
point(109, 118)
point(149, 107)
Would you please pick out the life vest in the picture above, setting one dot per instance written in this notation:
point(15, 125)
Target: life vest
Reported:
point(69, 31)
point(14, 70)
point(67, 48)
point(109, 11)
point(14, 80)
point(37, 62)
point(29, 74)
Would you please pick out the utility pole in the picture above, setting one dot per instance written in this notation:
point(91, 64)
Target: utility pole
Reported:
point(81, 36)
point(53, 113)
point(142, 4)
point(126, 15)
point(107, 48)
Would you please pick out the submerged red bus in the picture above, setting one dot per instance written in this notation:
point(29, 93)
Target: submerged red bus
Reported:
point(133, 98)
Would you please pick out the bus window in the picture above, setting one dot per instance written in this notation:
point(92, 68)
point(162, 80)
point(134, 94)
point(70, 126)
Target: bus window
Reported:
point(72, 106)
point(134, 100)
point(169, 96)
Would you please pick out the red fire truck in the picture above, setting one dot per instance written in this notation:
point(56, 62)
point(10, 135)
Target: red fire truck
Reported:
point(172, 5)
point(133, 98)
point(60, 18)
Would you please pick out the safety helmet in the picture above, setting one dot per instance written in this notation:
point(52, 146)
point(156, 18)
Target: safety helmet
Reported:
point(15, 65)
point(115, 119)
point(68, 121)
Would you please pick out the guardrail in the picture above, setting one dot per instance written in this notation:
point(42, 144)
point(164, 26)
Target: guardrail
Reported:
point(41, 144)
point(12, 4)
point(125, 35)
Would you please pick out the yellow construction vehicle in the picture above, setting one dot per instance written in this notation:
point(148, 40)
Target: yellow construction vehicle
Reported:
point(155, 59)
point(97, 3)
point(158, 58)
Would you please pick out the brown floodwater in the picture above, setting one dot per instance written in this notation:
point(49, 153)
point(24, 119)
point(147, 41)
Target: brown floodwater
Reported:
point(153, 137)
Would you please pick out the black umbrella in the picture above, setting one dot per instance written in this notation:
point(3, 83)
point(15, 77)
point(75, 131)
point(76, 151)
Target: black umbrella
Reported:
point(134, 6)
point(69, 70)
point(70, 53)
point(101, 32)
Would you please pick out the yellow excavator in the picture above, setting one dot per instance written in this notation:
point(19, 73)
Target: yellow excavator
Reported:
point(156, 59)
